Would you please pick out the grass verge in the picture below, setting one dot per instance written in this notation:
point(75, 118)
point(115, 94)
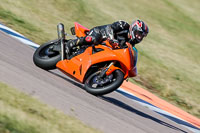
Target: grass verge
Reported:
point(22, 26)
point(19, 113)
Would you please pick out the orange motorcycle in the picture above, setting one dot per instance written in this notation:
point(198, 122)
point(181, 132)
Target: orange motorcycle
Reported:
point(101, 68)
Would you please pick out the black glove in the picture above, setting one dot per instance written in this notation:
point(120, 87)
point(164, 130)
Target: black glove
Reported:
point(114, 43)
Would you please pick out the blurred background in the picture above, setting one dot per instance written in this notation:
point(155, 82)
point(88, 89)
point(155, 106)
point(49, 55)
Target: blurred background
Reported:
point(168, 62)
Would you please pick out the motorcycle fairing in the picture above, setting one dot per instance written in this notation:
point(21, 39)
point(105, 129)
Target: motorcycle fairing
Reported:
point(80, 30)
point(78, 65)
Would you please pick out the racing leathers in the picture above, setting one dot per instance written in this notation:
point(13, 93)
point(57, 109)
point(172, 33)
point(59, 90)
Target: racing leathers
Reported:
point(116, 32)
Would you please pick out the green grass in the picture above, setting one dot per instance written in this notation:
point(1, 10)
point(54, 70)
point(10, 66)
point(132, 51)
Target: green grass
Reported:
point(168, 63)
point(19, 24)
point(19, 113)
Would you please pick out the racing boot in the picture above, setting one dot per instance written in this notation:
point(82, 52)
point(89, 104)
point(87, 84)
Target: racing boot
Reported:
point(68, 48)
point(72, 44)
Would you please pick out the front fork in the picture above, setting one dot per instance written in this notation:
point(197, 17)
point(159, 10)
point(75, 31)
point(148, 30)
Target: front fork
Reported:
point(109, 69)
point(104, 71)
point(61, 37)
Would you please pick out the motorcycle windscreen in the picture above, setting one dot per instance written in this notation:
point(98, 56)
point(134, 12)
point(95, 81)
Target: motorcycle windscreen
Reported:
point(133, 71)
point(135, 56)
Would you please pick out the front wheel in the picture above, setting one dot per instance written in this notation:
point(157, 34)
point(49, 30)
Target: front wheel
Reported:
point(46, 58)
point(102, 86)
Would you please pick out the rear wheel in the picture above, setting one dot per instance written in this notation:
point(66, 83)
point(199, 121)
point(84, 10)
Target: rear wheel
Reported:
point(101, 86)
point(45, 58)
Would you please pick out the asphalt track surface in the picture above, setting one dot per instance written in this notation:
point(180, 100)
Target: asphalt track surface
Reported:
point(112, 113)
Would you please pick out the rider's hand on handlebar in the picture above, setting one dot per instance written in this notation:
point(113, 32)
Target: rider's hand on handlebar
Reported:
point(114, 43)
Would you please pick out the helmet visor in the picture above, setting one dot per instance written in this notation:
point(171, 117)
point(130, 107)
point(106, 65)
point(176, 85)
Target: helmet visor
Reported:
point(139, 35)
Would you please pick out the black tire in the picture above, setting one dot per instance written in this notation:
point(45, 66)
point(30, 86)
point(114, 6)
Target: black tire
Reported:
point(45, 59)
point(102, 90)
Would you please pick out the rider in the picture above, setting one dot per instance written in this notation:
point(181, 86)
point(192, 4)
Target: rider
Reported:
point(117, 33)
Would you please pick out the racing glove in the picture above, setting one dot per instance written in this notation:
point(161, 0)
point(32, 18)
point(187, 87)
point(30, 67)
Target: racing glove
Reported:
point(114, 43)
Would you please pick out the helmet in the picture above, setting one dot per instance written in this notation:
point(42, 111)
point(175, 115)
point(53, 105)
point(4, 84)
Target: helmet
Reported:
point(138, 30)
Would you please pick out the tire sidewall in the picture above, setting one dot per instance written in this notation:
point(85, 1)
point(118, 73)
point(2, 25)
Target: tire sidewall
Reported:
point(105, 89)
point(49, 63)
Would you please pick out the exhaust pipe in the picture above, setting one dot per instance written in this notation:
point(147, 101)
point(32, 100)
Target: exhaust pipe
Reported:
point(61, 37)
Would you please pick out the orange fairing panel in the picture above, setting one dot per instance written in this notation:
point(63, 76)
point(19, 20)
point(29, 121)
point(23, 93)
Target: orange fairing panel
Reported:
point(80, 30)
point(78, 66)
point(108, 55)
